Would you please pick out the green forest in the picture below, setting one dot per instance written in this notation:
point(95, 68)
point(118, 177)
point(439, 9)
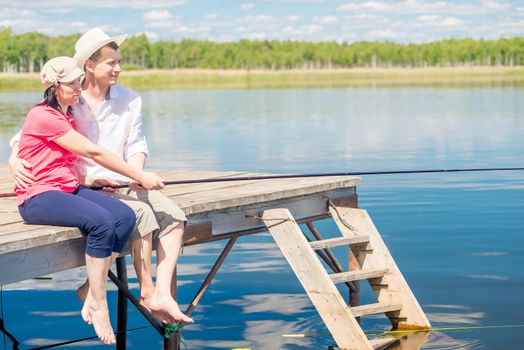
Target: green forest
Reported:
point(27, 52)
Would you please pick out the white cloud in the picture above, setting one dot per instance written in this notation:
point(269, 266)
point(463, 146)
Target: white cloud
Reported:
point(260, 19)
point(451, 22)
point(328, 19)
point(428, 18)
point(397, 20)
point(407, 7)
point(152, 36)
point(61, 10)
point(75, 4)
point(256, 36)
point(136, 4)
point(157, 15)
point(247, 6)
point(80, 25)
point(386, 34)
point(13, 13)
point(496, 6)
point(369, 5)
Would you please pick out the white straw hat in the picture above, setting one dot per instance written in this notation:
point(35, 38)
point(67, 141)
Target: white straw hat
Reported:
point(91, 41)
point(61, 69)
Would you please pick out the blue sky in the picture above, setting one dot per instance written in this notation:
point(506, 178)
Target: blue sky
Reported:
point(313, 20)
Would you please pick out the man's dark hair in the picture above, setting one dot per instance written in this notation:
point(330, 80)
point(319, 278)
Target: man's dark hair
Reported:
point(95, 57)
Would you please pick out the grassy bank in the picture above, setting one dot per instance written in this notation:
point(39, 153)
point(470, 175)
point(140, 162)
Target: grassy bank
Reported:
point(198, 78)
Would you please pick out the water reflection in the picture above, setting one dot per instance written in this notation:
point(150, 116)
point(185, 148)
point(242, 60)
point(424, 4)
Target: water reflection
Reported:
point(439, 227)
point(284, 304)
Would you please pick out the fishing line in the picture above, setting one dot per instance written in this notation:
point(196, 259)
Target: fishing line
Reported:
point(294, 176)
point(441, 329)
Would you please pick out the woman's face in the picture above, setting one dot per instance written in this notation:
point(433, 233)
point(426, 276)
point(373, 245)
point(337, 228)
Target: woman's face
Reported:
point(68, 93)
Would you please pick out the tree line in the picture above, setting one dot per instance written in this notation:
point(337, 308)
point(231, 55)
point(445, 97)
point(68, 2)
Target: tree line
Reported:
point(27, 52)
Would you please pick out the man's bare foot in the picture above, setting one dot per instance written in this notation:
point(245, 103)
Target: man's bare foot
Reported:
point(81, 292)
point(99, 316)
point(144, 302)
point(166, 309)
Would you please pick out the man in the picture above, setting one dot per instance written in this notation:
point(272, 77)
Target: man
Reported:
point(110, 115)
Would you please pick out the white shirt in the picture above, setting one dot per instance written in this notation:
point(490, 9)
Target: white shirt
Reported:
point(117, 128)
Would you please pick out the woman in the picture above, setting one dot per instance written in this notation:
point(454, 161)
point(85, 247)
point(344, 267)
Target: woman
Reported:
point(52, 146)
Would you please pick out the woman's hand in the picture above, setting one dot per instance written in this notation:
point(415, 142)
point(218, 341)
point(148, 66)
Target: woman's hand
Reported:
point(135, 186)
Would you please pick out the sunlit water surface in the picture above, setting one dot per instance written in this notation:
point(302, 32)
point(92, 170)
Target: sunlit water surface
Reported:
point(457, 237)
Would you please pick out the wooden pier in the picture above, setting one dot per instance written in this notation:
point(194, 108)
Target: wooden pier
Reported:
point(229, 210)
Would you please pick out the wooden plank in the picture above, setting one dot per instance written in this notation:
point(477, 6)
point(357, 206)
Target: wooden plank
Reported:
point(353, 222)
point(323, 293)
point(247, 217)
point(255, 193)
point(226, 207)
point(20, 236)
point(338, 241)
point(21, 265)
point(376, 308)
point(357, 275)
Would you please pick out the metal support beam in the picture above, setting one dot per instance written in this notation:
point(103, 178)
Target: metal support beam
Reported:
point(136, 303)
point(121, 271)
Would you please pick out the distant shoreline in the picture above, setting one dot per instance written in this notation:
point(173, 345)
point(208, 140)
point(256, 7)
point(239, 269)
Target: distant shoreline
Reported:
point(222, 78)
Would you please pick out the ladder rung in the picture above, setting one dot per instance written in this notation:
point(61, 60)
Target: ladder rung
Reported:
point(338, 241)
point(357, 275)
point(369, 309)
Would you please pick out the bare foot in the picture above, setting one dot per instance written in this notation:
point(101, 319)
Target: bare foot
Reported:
point(144, 302)
point(100, 320)
point(86, 316)
point(82, 291)
point(166, 309)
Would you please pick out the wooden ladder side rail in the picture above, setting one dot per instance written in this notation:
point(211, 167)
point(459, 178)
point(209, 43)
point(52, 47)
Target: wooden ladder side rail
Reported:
point(321, 290)
point(392, 288)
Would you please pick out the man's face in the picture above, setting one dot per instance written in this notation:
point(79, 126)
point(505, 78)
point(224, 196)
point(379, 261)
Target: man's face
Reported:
point(107, 68)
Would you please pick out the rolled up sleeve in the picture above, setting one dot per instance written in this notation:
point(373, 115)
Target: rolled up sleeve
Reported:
point(136, 141)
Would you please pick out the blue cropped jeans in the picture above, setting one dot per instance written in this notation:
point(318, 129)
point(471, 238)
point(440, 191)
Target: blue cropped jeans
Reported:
point(106, 222)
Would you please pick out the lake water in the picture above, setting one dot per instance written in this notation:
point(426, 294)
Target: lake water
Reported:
point(458, 238)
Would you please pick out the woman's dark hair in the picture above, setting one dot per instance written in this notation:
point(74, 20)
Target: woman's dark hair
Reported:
point(51, 100)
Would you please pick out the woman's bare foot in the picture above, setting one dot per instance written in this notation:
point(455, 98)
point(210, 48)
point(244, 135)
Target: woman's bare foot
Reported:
point(99, 316)
point(86, 316)
point(81, 292)
point(166, 309)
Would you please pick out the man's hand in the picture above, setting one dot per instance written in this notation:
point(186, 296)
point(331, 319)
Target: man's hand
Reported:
point(151, 181)
point(21, 172)
point(107, 183)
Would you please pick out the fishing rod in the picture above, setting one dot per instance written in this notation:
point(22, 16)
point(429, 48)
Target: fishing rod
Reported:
point(294, 176)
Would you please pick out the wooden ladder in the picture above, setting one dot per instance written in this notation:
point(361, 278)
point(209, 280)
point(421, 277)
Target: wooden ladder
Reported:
point(394, 297)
